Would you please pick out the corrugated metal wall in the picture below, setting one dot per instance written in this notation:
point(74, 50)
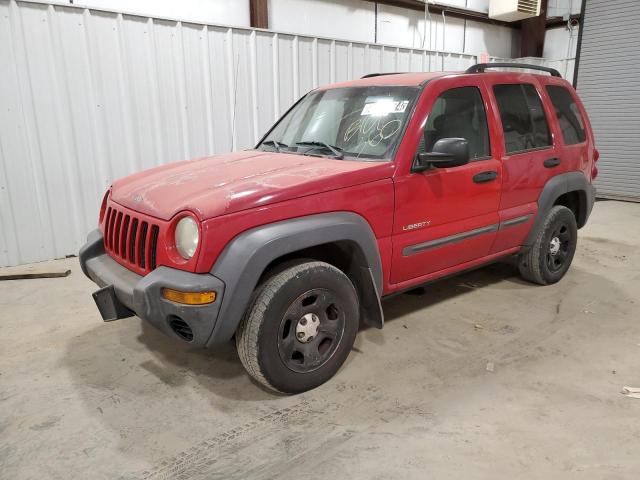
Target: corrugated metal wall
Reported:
point(609, 85)
point(89, 96)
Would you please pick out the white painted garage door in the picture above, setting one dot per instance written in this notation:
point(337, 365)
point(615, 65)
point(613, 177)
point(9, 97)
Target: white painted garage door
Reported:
point(609, 85)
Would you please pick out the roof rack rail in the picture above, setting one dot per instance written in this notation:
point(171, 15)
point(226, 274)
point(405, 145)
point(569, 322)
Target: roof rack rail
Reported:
point(481, 67)
point(370, 75)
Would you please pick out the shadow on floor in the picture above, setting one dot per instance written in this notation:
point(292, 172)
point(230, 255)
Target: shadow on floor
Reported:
point(91, 355)
point(457, 285)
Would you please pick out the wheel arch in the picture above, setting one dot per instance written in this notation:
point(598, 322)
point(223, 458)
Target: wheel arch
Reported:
point(571, 189)
point(343, 239)
point(576, 201)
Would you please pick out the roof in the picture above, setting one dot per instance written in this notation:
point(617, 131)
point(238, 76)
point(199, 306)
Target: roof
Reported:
point(398, 79)
point(418, 78)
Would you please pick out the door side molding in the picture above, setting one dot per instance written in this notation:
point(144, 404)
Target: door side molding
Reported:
point(512, 222)
point(439, 242)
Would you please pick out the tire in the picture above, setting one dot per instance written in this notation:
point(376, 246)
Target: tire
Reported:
point(550, 256)
point(299, 327)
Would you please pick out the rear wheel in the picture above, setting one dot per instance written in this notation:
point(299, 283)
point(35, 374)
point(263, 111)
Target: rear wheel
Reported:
point(299, 328)
point(550, 256)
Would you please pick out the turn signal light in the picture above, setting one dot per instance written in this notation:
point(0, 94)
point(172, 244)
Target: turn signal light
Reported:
point(189, 298)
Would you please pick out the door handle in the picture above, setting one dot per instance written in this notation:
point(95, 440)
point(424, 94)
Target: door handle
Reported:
point(552, 162)
point(484, 177)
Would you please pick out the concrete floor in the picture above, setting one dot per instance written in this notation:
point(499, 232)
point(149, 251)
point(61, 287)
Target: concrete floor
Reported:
point(83, 399)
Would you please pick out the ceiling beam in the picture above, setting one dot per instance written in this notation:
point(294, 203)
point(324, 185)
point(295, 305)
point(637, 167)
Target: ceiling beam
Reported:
point(259, 13)
point(437, 9)
point(532, 33)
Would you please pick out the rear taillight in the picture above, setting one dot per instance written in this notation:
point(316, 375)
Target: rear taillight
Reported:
point(594, 169)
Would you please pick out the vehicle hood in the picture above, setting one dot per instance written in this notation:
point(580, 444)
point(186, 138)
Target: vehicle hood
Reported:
point(223, 184)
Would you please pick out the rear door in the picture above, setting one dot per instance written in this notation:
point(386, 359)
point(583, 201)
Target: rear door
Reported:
point(572, 142)
point(446, 217)
point(528, 152)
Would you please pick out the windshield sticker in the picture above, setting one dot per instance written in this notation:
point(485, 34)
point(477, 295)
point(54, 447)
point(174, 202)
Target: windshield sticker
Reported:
point(380, 108)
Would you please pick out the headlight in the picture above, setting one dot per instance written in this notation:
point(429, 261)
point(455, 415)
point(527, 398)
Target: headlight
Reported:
point(187, 237)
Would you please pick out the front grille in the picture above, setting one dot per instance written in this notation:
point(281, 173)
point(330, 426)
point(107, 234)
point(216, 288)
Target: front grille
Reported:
point(128, 238)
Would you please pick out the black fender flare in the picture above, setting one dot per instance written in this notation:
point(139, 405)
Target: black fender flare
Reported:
point(554, 189)
point(246, 257)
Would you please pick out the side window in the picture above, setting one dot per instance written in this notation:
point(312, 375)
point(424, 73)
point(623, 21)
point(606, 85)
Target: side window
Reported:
point(458, 113)
point(523, 120)
point(569, 116)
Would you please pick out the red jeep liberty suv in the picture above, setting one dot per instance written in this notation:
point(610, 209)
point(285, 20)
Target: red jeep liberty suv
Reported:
point(361, 190)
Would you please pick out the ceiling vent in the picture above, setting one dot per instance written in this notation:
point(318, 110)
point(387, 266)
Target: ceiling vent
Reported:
point(513, 10)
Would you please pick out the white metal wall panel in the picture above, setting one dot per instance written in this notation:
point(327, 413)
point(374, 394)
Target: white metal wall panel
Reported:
point(558, 8)
point(565, 66)
point(89, 96)
point(202, 11)
point(608, 84)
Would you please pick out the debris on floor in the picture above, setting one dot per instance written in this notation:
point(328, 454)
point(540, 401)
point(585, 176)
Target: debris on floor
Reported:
point(490, 366)
point(631, 392)
point(24, 272)
point(586, 310)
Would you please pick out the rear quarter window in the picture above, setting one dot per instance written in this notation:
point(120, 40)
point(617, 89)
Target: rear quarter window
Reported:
point(524, 122)
point(569, 117)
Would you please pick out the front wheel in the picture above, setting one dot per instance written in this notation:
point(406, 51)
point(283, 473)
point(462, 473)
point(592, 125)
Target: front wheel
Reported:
point(550, 256)
point(299, 328)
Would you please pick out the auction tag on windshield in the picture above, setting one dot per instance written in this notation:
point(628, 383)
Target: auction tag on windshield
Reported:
point(384, 107)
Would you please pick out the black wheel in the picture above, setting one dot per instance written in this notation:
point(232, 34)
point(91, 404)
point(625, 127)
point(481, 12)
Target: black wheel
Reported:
point(299, 328)
point(550, 256)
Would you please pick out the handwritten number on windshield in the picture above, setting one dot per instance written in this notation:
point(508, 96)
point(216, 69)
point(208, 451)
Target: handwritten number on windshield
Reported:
point(374, 129)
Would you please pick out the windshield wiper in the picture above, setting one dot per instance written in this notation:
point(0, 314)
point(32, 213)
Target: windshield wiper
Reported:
point(275, 144)
point(337, 151)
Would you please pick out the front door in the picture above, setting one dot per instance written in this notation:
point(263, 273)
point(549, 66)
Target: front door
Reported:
point(446, 217)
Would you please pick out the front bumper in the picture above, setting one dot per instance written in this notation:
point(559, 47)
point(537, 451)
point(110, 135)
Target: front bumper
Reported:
point(142, 296)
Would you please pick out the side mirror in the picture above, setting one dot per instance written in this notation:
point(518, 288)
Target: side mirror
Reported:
point(447, 152)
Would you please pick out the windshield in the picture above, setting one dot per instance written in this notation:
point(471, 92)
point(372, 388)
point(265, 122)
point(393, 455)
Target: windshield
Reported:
point(355, 122)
